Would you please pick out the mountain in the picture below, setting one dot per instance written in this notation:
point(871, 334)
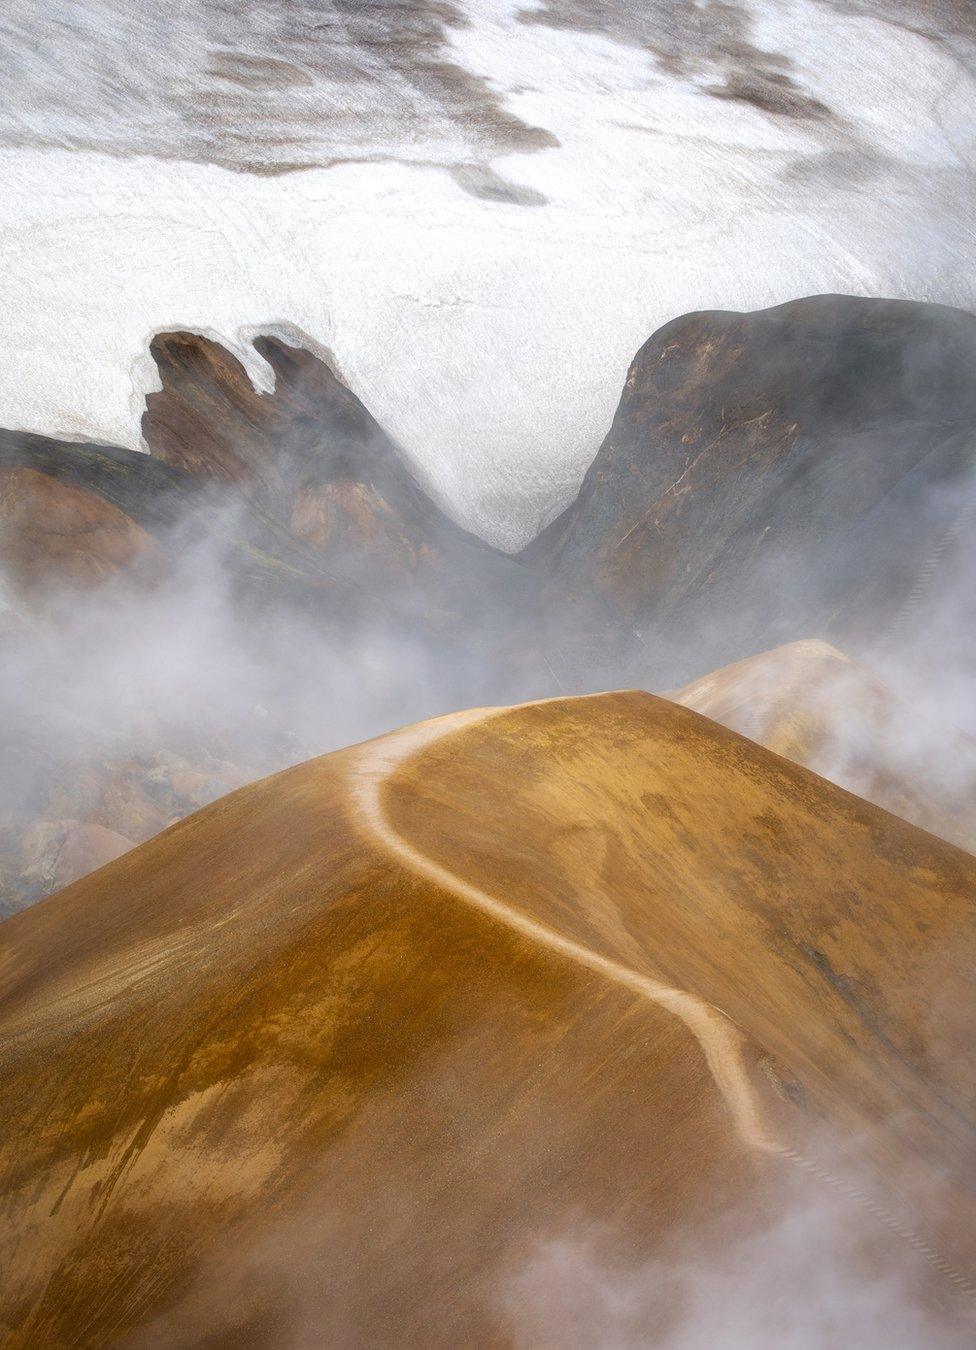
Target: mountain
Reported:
point(309, 452)
point(414, 185)
point(777, 474)
point(804, 469)
point(795, 471)
point(333, 1060)
point(271, 544)
point(75, 515)
point(815, 706)
point(297, 491)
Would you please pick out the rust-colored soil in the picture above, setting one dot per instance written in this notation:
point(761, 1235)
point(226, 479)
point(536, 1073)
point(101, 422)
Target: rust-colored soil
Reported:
point(53, 533)
point(812, 704)
point(322, 1063)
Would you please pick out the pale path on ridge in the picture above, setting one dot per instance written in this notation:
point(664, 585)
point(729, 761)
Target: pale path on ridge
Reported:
point(719, 1039)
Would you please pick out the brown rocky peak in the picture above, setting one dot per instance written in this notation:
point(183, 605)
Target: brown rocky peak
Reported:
point(209, 420)
point(306, 451)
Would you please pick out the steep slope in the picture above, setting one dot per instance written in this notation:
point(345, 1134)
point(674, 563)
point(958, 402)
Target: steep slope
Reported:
point(74, 515)
point(775, 474)
point(813, 705)
point(307, 450)
point(298, 492)
point(459, 224)
point(325, 1062)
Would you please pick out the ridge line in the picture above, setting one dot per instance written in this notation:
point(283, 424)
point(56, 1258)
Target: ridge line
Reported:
point(718, 1037)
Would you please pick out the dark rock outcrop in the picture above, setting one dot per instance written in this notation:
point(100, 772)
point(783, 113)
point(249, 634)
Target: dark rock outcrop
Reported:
point(774, 475)
point(312, 456)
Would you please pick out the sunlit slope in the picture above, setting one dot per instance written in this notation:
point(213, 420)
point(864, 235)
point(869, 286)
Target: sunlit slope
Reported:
point(812, 704)
point(335, 1051)
point(835, 936)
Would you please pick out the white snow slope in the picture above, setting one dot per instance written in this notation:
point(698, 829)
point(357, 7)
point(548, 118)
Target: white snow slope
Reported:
point(481, 207)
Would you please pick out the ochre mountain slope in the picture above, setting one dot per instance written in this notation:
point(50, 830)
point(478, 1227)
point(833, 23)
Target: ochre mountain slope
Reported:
point(322, 1063)
point(812, 704)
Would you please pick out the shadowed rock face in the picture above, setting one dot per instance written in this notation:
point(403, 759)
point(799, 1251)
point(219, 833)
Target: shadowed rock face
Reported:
point(308, 452)
point(794, 468)
point(340, 1052)
point(798, 467)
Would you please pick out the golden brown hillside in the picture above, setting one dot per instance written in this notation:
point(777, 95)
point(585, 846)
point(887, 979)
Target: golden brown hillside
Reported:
point(324, 1064)
point(812, 704)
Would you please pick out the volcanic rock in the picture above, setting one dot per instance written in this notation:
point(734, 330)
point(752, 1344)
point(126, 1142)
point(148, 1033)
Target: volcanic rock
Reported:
point(309, 452)
point(774, 475)
point(815, 706)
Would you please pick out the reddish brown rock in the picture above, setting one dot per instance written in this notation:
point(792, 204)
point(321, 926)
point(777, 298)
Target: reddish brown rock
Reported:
point(208, 420)
point(53, 532)
point(308, 451)
point(774, 475)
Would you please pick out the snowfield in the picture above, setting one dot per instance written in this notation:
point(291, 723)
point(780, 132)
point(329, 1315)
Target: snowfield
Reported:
point(491, 212)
